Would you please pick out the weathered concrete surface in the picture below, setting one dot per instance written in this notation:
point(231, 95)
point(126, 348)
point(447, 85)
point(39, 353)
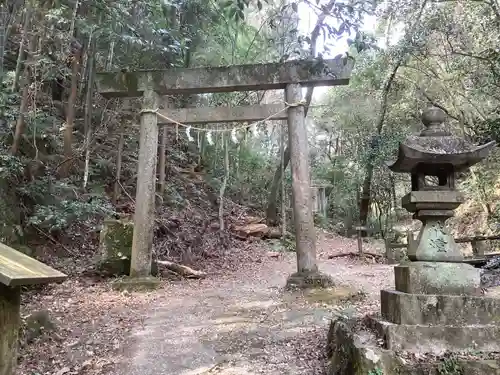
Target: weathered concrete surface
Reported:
point(438, 278)
point(305, 234)
point(206, 115)
point(142, 242)
point(404, 308)
point(271, 76)
point(437, 339)
point(353, 350)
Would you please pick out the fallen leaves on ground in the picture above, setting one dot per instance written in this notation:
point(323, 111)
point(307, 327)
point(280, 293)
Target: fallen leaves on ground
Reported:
point(94, 322)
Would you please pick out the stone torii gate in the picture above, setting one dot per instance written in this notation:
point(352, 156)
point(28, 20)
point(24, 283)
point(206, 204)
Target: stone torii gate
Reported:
point(290, 77)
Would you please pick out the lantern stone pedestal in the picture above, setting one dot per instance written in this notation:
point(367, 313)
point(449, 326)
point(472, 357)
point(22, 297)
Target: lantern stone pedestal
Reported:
point(437, 306)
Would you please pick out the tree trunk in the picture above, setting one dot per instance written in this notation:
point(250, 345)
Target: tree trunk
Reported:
point(88, 109)
point(364, 208)
point(26, 26)
point(225, 146)
point(283, 190)
point(162, 158)
point(119, 157)
point(21, 124)
point(305, 235)
point(70, 118)
point(272, 205)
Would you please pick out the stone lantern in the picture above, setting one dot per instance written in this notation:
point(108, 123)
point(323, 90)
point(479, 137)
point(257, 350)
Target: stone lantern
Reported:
point(433, 158)
point(437, 306)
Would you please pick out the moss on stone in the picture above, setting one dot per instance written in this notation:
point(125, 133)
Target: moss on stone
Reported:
point(115, 245)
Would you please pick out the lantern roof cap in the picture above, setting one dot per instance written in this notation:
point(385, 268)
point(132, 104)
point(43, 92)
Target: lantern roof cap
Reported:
point(436, 145)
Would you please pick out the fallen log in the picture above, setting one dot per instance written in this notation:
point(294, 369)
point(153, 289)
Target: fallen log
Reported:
point(355, 254)
point(252, 230)
point(184, 271)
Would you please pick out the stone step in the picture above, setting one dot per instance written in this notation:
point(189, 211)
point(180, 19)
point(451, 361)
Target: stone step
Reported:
point(438, 278)
point(353, 350)
point(436, 339)
point(427, 309)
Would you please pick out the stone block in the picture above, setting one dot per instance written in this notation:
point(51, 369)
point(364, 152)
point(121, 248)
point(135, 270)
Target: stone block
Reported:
point(352, 350)
point(437, 339)
point(432, 200)
point(115, 248)
point(414, 309)
point(438, 278)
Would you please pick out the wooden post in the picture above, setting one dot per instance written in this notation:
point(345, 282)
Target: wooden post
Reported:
point(140, 265)
point(359, 231)
point(10, 305)
point(305, 235)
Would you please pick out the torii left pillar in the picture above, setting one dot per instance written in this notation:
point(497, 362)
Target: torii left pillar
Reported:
point(144, 216)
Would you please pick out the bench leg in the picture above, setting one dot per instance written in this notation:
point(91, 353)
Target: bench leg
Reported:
point(10, 304)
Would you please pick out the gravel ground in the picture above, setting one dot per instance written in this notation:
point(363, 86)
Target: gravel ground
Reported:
point(245, 324)
point(236, 322)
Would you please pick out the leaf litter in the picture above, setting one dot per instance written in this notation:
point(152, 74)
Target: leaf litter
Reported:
point(95, 325)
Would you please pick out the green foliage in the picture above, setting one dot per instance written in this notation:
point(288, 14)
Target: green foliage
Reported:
point(11, 168)
point(377, 371)
point(66, 212)
point(450, 366)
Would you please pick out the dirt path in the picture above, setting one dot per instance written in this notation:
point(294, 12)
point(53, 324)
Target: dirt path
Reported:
point(244, 323)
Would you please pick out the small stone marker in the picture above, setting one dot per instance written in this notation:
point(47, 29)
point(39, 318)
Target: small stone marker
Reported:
point(437, 305)
point(16, 270)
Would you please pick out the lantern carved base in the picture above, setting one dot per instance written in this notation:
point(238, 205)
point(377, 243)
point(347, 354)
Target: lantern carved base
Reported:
point(434, 242)
point(438, 278)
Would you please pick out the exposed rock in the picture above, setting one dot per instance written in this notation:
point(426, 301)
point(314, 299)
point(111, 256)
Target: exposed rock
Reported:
point(37, 324)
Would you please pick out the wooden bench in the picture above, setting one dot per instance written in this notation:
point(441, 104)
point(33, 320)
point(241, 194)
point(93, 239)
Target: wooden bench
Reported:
point(17, 270)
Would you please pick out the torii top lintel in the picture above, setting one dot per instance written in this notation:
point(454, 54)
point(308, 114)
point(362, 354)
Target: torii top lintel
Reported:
point(227, 78)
